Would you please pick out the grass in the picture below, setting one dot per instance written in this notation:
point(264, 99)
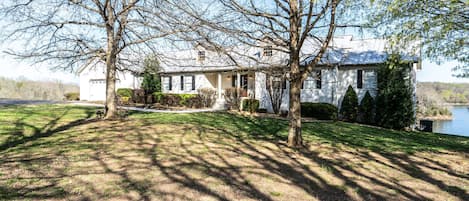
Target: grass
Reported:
point(57, 152)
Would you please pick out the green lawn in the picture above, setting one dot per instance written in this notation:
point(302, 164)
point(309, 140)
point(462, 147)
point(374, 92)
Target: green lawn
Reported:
point(58, 152)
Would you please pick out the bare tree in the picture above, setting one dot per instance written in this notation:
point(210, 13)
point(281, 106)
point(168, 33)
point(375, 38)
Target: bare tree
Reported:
point(282, 25)
point(275, 85)
point(68, 34)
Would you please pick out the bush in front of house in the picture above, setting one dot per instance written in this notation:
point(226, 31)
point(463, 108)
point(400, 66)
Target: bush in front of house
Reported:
point(208, 96)
point(124, 92)
point(178, 100)
point(321, 111)
point(250, 105)
point(349, 106)
point(194, 102)
point(151, 82)
point(72, 96)
point(366, 110)
point(138, 96)
point(124, 95)
point(172, 100)
point(158, 96)
point(185, 98)
point(233, 97)
point(394, 103)
point(123, 100)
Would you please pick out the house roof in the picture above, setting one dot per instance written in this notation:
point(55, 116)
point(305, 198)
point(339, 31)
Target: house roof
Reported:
point(346, 51)
point(342, 51)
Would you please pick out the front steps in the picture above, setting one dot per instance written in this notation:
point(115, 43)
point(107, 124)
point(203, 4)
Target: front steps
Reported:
point(220, 104)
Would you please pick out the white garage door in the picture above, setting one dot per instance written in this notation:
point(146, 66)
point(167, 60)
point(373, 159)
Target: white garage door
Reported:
point(97, 89)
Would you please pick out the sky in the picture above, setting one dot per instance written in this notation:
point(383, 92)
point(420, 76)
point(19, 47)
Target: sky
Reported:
point(12, 68)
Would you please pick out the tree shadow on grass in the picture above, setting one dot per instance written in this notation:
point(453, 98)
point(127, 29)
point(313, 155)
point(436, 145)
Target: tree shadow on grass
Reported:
point(23, 136)
point(397, 147)
point(19, 136)
point(230, 157)
point(382, 141)
point(385, 140)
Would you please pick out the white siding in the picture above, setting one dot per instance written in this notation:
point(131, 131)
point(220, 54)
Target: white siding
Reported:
point(95, 91)
point(334, 84)
point(201, 81)
point(324, 94)
point(348, 77)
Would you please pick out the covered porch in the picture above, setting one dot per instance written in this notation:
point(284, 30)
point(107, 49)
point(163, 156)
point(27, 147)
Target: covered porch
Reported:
point(232, 79)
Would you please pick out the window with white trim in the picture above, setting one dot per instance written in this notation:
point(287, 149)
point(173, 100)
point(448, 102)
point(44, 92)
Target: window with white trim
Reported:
point(313, 81)
point(189, 83)
point(167, 85)
point(359, 79)
point(369, 79)
point(318, 79)
point(309, 83)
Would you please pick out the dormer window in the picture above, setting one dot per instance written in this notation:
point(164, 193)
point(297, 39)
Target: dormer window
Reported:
point(201, 55)
point(268, 51)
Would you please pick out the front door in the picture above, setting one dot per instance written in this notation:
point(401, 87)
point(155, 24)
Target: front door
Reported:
point(244, 82)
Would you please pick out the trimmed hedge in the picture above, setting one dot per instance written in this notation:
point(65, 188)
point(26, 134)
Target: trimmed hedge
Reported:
point(73, 96)
point(349, 106)
point(366, 109)
point(321, 111)
point(158, 96)
point(138, 96)
point(179, 100)
point(250, 105)
point(124, 92)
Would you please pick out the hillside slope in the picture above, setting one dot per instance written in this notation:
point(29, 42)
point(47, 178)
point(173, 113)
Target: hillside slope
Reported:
point(58, 152)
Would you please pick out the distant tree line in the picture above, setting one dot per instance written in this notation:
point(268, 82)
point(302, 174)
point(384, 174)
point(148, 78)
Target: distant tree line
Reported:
point(444, 93)
point(433, 97)
point(23, 88)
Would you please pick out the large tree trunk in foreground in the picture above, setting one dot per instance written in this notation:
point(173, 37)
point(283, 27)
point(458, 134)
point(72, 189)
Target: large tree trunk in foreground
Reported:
point(111, 100)
point(111, 60)
point(294, 132)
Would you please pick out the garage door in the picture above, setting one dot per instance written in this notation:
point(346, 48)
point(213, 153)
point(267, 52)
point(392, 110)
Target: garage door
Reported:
point(97, 89)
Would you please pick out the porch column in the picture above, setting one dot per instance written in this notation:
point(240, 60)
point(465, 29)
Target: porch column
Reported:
point(219, 86)
point(238, 80)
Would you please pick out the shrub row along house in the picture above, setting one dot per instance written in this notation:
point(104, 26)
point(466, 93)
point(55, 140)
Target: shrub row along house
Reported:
point(348, 62)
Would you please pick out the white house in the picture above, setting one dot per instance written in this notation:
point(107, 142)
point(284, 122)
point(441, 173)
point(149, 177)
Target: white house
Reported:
point(347, 62)
point(93, 81)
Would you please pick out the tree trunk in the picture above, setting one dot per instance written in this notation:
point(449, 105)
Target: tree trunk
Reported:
point(294, 132)
point(111, 98)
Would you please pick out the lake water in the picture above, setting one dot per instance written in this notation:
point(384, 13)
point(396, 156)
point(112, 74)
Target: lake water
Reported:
point(458, 126)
